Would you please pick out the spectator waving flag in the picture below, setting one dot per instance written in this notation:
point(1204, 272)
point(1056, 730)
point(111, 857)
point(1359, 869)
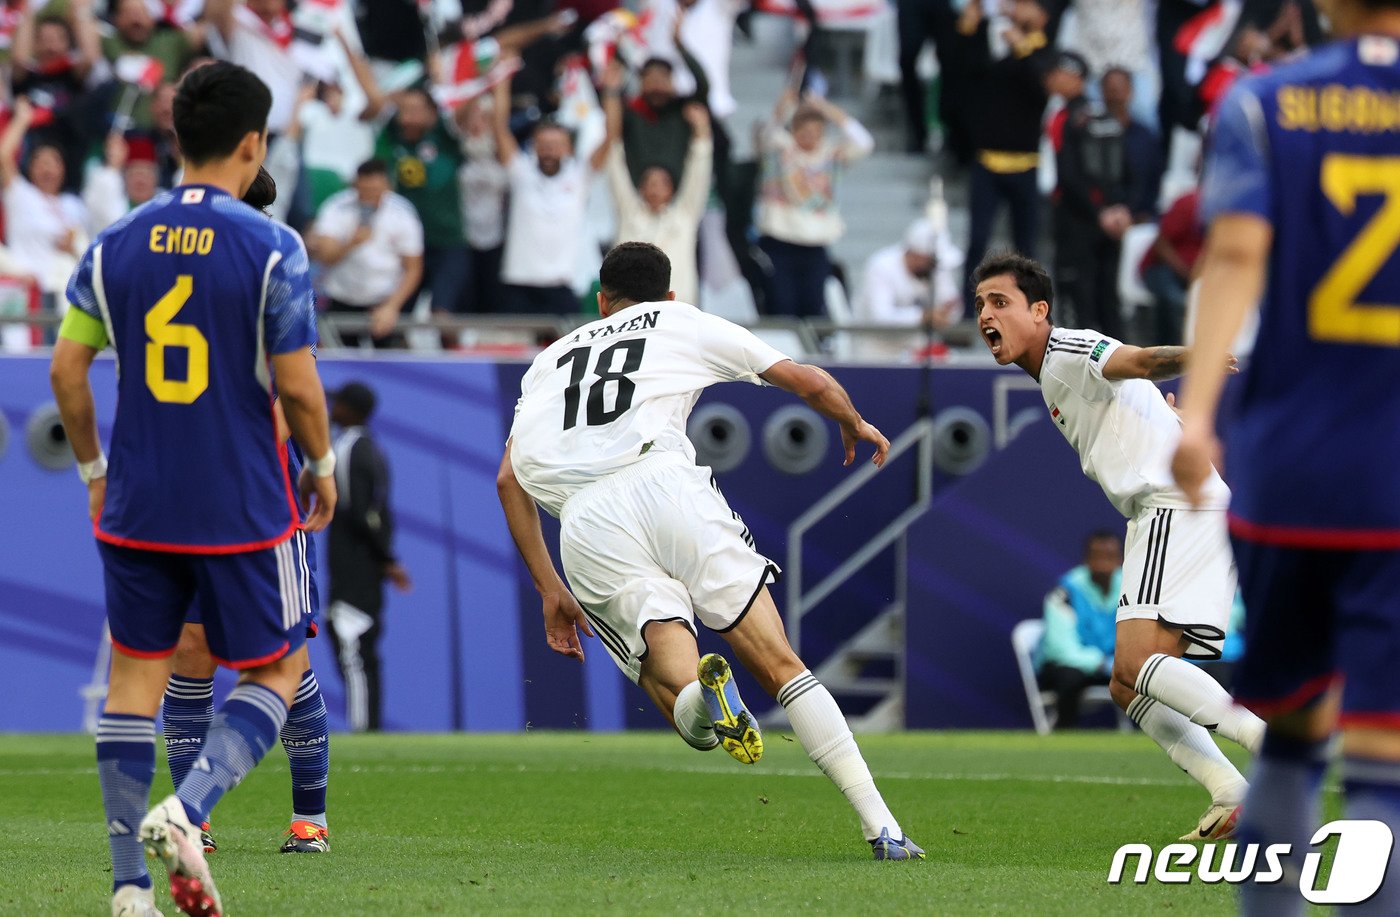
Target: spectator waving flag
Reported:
point(1203, 37)
point(578, 101)
point(468, 69)
point(140, 70)
point(617, 33)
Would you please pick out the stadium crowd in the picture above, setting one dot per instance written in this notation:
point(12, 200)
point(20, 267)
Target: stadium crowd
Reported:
point(480, 161)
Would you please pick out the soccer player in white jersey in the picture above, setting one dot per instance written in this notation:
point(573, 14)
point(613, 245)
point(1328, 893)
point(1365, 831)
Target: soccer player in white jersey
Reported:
point(648, 543)
point(1178, 571)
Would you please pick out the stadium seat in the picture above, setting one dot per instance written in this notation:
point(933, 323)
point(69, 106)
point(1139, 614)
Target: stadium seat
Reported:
point(1025, 637)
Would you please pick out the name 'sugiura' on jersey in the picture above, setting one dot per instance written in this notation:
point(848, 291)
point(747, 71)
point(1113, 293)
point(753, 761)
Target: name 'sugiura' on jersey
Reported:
point(1313, 148)
point(197, 291)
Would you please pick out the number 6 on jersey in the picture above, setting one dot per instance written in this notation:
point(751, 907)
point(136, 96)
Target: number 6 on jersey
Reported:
point(162, 333)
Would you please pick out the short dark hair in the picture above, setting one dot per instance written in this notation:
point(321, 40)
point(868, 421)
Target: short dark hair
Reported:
point(262, 193)
point(661, 62)
point(551, 123)
point(217, 106)
point(372, 167)
point(1098, 535)
point(636, 272)
point(1031, 277)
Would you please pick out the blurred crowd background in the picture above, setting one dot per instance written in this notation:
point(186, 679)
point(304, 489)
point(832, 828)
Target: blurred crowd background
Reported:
point(820, 170)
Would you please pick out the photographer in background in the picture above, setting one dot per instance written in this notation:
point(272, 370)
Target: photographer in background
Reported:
point(913, 282)
point(370, 242)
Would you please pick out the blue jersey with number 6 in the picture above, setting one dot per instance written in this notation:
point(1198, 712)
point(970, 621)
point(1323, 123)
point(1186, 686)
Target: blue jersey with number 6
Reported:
point(1314, 148)
point(197, 290)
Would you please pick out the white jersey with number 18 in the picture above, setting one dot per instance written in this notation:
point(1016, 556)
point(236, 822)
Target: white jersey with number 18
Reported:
point(621, 388)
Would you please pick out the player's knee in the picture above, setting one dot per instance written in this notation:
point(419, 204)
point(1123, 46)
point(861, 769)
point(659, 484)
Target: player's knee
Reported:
point(1125, 671)
point(1122, 694)
point(192, 659)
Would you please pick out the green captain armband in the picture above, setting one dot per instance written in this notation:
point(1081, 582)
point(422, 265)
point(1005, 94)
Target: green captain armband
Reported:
point(82, 328)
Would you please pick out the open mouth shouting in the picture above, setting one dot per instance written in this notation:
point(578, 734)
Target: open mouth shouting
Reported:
point(993, 339)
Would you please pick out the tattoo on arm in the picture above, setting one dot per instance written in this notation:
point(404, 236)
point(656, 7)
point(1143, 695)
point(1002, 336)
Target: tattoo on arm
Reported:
point(1164, 363)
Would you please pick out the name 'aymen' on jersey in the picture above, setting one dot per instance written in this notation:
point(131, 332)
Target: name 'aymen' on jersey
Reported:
point(195, 289)
point(1124, 431)
point(1318, 407)
point(622, 388)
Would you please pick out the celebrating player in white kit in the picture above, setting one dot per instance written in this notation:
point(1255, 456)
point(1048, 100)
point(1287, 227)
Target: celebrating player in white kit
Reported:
point(1178, 571)
point(648, 542)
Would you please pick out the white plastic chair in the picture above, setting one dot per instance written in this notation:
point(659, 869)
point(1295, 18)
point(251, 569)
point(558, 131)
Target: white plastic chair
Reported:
point(1025, 637)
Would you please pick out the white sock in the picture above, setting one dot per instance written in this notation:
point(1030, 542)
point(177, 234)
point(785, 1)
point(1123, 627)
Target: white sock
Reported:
point(1191, 692)
point(1191, 748)
point(823, 732)
point(693, 718)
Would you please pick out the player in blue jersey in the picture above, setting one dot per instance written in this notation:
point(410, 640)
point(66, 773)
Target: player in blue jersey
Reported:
point(188, 707)
point(202, 299)
point(1302, 197)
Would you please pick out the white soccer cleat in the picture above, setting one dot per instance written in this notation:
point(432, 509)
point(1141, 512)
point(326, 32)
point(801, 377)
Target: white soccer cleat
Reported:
point(1217, 824)
point(131, 901)
point(169, 836)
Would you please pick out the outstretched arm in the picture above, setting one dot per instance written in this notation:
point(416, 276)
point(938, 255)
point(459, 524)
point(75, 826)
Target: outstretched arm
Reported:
point(825, 395)
point(375, 100)
point(1156, 364)
point(562, 613)
point(12, 139)
point(506, 147)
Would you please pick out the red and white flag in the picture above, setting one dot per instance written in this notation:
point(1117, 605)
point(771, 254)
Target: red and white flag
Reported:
point(578, 101)
point(140, 70)
point(469, 69)
point(617, 33)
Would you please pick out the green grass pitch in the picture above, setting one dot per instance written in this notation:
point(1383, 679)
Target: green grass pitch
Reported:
point(639, 823)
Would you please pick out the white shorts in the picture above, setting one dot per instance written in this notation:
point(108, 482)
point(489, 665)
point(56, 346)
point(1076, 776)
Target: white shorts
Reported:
point(657, 542)
point(1178, 569)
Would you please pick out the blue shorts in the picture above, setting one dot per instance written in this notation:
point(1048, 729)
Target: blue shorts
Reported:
point(195, 615)
point(255, 606)
point(1313, 617)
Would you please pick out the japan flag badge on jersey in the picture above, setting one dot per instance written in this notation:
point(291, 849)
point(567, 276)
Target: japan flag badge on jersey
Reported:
point(192, 196)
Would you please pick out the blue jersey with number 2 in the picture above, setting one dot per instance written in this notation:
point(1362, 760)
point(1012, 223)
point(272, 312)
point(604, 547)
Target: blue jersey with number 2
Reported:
point(1314, 148)
point(197, 291)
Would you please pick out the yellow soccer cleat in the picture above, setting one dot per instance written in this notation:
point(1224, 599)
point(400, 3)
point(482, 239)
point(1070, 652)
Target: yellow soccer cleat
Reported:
point(735, 726)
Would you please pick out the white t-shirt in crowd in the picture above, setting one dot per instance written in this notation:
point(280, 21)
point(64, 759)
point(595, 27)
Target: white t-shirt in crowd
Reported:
point(643, 369)
point(253, 45)
point(372, 270)
point(1124, 431)
point(893, 296)
point(337, 143)
point(544, 223)
point(35, 225)
point(484, 182)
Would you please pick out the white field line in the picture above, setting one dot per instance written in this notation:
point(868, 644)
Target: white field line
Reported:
point(760, 771)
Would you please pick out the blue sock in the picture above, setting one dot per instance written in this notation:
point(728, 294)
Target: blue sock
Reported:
point(189, 707)
point(1373, 792)
point(1282, 807)
point(243, 730)
point(126, 765)
point(306, 737)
